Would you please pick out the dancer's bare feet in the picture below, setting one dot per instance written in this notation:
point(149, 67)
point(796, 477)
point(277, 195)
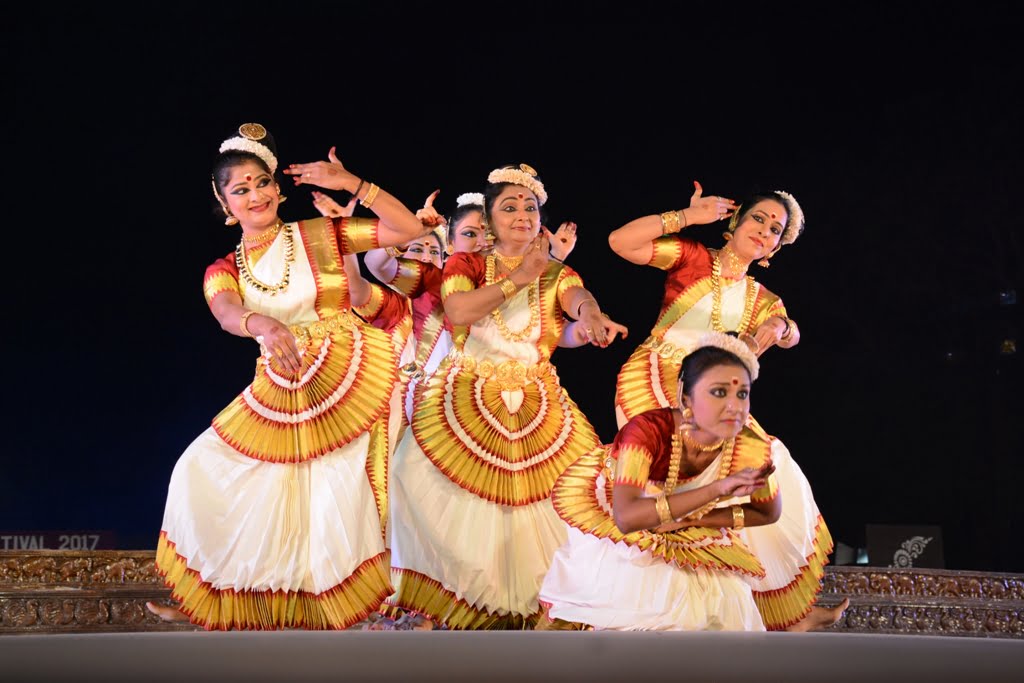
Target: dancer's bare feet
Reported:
point(821, 618)
point(169, 614)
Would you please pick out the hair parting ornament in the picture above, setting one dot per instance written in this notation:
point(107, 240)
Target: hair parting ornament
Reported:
point(524, 175)
point(248, 140)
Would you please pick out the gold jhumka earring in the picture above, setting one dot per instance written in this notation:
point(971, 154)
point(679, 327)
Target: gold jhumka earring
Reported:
point(230, 220)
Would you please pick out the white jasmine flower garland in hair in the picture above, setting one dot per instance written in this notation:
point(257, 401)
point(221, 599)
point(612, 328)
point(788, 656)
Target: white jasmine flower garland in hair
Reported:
point(795, 225)
point(524, 175)
point(240, 144)
point(729, 343)
point(470, 198)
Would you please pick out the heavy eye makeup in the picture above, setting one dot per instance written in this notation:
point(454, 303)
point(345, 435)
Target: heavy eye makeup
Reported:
point(722, 392)
point(261, 182)
point(761, 219)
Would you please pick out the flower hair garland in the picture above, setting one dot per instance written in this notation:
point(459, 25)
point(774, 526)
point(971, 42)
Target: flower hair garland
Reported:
point(524, 175)
point(727, 342)
point(470, 199)
point(795, 224)
point(252, 147)
point(248, 140)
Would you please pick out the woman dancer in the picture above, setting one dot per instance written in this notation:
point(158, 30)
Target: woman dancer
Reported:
point(473, 528)
point(710, 290)
point(656, 520)
point(270, 519)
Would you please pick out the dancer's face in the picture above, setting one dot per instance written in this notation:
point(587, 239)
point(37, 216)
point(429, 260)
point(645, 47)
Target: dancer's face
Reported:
point(468, 235)
point(425, 249)
point(252, 195)
point(720, 400)
point(515, 217)
point(758, 234)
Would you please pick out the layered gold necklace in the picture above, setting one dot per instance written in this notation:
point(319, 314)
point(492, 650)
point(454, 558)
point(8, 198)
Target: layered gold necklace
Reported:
point(716, 298)
point(672, 479)
point(534, 302)
point(289, 257)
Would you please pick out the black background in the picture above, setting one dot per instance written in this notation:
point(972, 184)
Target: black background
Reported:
point(898, 131)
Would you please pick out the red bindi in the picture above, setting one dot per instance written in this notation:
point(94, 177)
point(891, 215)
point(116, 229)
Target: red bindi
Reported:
point(774, 216)
point(521, 195)
point(735, 381)
point(248, 177)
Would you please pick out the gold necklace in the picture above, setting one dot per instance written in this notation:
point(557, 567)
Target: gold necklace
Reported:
point(510, 262)
point(265, 236)
point(698, 446)
point(716, 298)
point(534, 301)
point(672, 478)
point(734, 261)
point(250, 279)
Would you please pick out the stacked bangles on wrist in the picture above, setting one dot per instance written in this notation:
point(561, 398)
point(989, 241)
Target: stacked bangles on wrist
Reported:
point(672, 222)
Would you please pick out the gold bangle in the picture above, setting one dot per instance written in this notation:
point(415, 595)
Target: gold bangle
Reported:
point(670, 222)
point(789, 328)
point(579, 308)
point(243, 323)
point(661, 505)
point(737, 517)
point(371, 196)
point(508, 288)
point(393, 252)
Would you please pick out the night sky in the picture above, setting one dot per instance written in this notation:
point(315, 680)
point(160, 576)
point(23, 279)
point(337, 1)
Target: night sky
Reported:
point(899, 133)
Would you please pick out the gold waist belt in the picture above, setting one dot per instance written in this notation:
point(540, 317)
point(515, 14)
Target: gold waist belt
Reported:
point(320, 329)
point(666, 350)
point(509, 375)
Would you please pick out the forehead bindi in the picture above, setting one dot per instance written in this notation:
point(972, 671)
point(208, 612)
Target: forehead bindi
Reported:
point(520, 194)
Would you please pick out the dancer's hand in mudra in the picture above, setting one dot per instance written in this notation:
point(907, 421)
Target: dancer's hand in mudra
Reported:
point(428, 215)
point(535, 260)
point(744, 482)
point(704, 210)
point(599, 328)
point(563, 241)
point(279, 341)
point(332, 209)
point(328, 174)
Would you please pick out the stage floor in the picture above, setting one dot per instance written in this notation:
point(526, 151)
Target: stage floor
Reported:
point(520, 656)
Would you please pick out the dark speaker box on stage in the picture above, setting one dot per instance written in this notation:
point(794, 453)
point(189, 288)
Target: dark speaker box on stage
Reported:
point(905, 546)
